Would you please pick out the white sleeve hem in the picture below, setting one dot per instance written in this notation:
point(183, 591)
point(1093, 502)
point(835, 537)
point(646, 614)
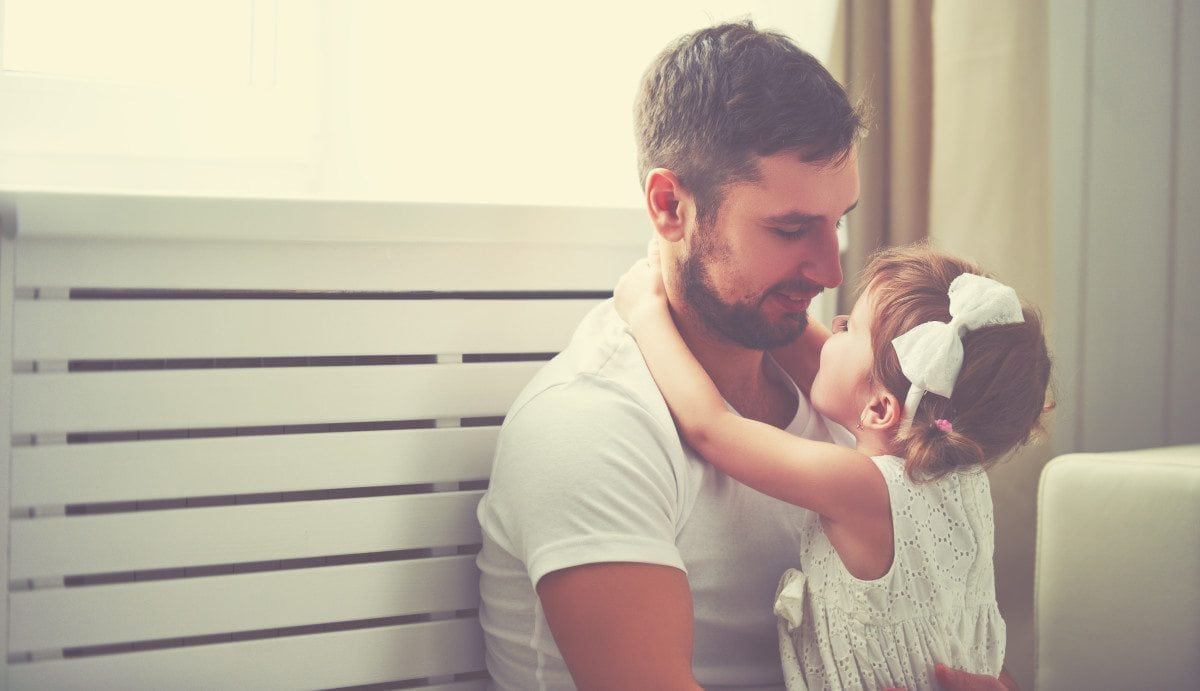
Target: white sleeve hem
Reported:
point(600, 549)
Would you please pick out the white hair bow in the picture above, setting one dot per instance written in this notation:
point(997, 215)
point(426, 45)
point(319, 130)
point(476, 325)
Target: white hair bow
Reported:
point(931, 354)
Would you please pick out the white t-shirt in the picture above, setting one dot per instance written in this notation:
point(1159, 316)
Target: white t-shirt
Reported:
point(589, 468)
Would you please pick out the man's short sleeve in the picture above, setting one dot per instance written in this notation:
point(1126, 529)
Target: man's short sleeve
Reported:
point(585, 474)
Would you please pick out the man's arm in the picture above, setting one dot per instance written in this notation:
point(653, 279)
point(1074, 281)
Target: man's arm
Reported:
point(586, 487)
point(622, 625)
point(957, 680)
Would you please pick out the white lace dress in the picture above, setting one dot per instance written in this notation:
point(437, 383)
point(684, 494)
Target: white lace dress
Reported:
point(936, 604)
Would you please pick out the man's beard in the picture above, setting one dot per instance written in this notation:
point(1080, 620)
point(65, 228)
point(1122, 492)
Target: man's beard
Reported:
point(741, 323)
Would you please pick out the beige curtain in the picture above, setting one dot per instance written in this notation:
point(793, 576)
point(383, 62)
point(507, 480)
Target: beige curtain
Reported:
point(888, 67)
point(989, 188)
point(959, 152)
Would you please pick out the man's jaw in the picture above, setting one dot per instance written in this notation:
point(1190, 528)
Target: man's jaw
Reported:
point(768, 320)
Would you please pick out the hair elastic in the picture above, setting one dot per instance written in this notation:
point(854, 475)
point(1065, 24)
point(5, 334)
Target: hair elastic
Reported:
point(944, 425)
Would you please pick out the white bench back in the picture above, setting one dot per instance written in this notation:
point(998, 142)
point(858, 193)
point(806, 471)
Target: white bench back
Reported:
point(246, 438)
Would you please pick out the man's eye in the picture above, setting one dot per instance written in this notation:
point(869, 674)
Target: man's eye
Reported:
point(841, 323)
point(790, 233)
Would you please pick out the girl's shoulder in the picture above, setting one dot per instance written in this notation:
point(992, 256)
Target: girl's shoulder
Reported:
point(892, 468)
point(954, 497)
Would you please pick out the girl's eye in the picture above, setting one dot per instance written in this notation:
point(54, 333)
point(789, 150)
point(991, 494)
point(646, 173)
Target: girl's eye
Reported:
point(841, 323)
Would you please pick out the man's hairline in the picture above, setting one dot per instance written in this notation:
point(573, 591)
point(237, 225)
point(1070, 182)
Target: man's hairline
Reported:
point(721, 190)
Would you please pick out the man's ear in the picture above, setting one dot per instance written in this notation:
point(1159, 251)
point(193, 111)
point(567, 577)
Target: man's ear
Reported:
point(670, 204)
point(883, 412)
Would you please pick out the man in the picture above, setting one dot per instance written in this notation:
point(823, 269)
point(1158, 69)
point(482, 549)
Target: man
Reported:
point(613, 556)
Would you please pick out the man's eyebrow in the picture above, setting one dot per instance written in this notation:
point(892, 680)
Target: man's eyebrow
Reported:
point(797, 218)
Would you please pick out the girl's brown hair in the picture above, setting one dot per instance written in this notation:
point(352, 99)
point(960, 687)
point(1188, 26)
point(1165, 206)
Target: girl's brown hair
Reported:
point(1000, 393)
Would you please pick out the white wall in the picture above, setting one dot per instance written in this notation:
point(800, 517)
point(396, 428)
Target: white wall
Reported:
point(1125, 165)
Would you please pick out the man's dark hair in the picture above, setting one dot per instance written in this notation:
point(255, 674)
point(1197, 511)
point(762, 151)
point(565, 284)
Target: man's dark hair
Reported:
point(716, 99)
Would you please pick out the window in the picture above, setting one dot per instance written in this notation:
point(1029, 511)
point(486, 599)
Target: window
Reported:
point(476, 102)
point(187, 96)
point(216, 43)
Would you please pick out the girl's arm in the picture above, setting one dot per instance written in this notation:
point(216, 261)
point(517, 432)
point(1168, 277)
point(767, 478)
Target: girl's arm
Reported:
point(836, 482)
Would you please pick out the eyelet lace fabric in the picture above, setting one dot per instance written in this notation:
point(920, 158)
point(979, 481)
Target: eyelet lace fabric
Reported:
point(937, 604)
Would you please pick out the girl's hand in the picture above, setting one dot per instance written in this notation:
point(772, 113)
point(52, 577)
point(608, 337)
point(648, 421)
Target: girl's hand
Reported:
point(641, 289)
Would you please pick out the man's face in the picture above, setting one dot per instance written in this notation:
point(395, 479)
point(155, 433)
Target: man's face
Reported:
point(750, 274)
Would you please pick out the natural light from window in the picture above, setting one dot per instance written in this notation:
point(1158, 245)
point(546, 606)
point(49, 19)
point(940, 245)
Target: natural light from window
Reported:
point(131, 41)
point(470, 102)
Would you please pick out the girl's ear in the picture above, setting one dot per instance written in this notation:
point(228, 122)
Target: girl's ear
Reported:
point(669, 204)
point(883, 412)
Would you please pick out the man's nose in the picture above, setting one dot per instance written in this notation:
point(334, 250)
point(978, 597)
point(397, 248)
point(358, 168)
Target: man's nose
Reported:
point(822, 263)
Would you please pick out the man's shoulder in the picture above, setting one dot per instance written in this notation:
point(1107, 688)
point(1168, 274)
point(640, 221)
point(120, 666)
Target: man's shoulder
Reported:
point(601, 370)
point(590, 418)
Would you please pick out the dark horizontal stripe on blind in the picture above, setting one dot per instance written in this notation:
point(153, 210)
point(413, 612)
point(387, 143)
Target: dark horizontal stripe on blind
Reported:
point(84, 580)
point(221, 294)
point(316, 428)
point(175, 503)
point(275, 633)
point(300, 361)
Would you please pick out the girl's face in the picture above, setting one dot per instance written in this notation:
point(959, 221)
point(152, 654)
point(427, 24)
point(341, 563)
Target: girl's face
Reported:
point(843, 384)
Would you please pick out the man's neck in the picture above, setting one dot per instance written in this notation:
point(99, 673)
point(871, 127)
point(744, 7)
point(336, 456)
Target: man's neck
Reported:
point(739, 374)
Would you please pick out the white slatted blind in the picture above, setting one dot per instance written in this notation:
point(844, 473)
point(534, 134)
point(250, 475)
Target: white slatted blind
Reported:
point(314, 660)
point(61, 403)
point(204, 536)
point(61, 474)
point(109, 329)
point(255, 463)
point(71, 617)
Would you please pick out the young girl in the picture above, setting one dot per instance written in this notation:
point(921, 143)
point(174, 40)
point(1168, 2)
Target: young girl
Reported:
point(937, 372)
